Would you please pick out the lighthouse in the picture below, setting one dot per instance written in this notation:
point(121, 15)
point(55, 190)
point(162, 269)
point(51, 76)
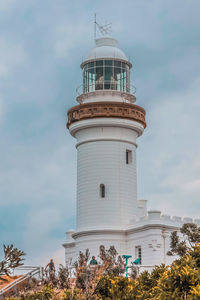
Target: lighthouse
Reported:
point(106, 123)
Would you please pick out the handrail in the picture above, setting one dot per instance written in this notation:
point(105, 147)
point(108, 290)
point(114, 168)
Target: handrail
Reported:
point(25, 268)
point(35, 271)
point(98, 86)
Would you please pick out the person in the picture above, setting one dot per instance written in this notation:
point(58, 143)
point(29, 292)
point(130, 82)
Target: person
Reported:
point(93, 261)
point(51, 267)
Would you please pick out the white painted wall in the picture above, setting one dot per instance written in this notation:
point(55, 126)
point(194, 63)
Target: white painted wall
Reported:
point(151, 232)
point(94, 241)
point(153, 245)
point(104, 162)
point(101, 159)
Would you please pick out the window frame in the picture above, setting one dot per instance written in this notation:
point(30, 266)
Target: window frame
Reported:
point(102, 190)
point(129, 156)
point(138, 253)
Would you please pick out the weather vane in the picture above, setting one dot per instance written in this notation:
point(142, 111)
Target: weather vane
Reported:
point(104, 29)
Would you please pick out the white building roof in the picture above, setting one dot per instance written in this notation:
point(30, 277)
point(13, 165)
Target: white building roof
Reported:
point(106, 47)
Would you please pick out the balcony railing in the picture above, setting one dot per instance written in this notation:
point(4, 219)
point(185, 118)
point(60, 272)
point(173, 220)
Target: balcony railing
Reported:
point(106, 86)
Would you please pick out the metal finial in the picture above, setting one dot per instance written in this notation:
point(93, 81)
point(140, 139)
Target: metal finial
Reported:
point(95, 26)
point(104, 29)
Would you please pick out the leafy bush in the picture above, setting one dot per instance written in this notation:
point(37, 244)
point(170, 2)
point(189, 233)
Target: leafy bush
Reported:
point(72, 294)
point(179, 281)
point(63, 277)
point(115, 288)
point(13, 258)
point(46, 293)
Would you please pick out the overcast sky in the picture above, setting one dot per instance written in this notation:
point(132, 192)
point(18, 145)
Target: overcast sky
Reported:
point(42, 44)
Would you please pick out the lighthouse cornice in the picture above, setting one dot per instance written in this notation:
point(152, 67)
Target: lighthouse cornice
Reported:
point(93, 123)
point(106, 58)
point(111, 95)
point(106, 110)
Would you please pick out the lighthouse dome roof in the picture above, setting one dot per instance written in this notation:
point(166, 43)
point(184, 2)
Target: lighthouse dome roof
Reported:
point(106, 47)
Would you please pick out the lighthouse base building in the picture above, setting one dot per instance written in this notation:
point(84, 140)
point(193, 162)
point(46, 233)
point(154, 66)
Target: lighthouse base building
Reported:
point(106, 124)
point(147, 238)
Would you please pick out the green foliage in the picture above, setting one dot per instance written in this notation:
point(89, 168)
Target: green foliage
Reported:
point(83, 272)
point(133, 271)
point(103, 287)
point(83, 259)
point(72, 294)
point(143, 286)
point(63, 277)
point(13, 258)
point(179, 281)
point(46, 293)
point(13, 298)
point(190, 237)
point(88, 276)
point(114, 288)
point(177, 246)
point(115, 265)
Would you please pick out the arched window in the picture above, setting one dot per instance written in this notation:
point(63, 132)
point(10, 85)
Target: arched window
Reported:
point(102, 190)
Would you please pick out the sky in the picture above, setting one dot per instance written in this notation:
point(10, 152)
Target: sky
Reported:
point(42, 44)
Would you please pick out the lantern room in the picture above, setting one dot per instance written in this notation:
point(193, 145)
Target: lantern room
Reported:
point(106, 68)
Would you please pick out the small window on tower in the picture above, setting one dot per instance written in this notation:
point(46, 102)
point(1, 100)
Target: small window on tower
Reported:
point(102, 190)
point(128, 157)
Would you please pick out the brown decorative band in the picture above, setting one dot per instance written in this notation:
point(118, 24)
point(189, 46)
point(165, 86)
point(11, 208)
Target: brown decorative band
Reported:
point(106, 110)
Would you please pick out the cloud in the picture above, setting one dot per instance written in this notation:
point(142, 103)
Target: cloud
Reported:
point(172, 159)
point(2, 110)
point(41, 47)
point(68, 37)
point(6, 4)
point(12, 55)
point(192, 186)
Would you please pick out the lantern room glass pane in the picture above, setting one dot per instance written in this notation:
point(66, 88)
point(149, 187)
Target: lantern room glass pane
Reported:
point(99, 78)
point(91, 79)
point(106, 74)
point(117, 78)
point(117, 64)
point(91, 64)
point(123, 80)
point(108, 78)
point(99, 63)
point(108, 62)
point(127, 79)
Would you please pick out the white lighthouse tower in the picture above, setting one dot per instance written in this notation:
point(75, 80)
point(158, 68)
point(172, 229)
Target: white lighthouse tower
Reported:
point(106, 124)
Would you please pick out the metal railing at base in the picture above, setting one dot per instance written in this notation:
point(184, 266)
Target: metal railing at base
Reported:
point(22, 279)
